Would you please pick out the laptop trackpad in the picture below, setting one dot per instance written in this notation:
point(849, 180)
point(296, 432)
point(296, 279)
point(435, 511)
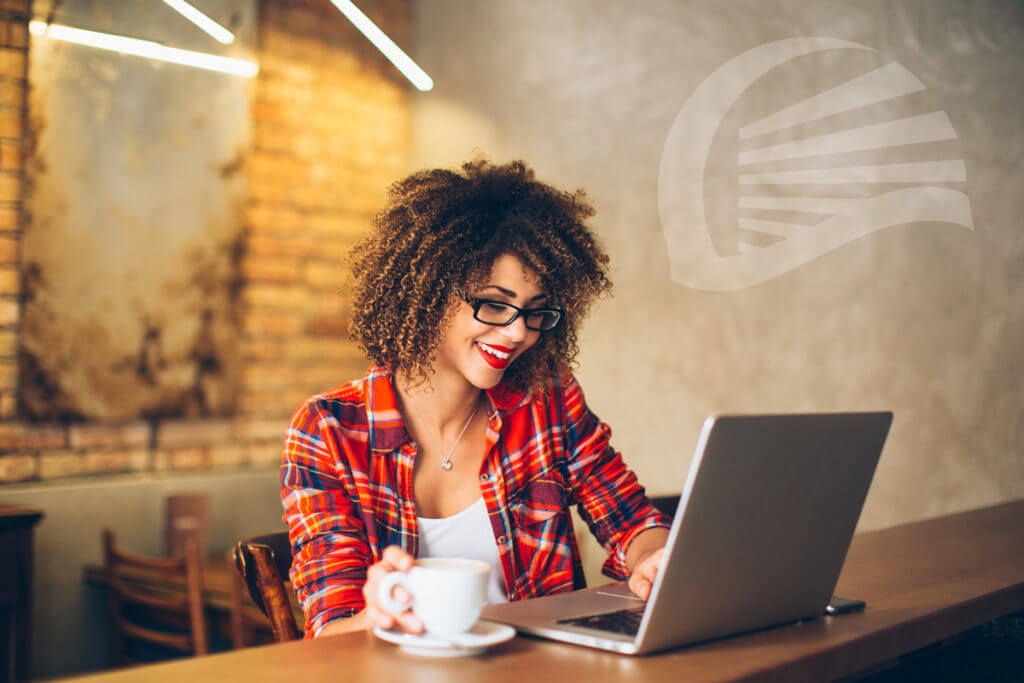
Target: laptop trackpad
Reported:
point(608, 598)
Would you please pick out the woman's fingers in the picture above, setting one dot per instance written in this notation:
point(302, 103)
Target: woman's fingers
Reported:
point(393, 559)
point(642, 579)
point(397, 558)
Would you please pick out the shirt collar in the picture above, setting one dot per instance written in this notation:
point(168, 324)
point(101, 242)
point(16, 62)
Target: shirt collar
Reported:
point(387, 430)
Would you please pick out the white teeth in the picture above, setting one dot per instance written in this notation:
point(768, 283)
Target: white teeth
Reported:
point(494, 352)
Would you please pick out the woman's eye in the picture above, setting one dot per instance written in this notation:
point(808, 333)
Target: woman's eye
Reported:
point(494, 307)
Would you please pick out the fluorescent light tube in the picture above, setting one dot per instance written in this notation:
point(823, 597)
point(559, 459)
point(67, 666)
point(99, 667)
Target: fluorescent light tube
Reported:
point(144, 48)
point(409, 68)
point(202, 21)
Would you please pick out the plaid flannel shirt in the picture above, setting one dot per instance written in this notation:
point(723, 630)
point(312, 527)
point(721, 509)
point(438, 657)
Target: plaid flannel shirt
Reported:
point(347, 491)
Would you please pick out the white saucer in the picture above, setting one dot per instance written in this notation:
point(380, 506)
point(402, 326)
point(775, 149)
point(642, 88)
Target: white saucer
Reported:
point(483, 635)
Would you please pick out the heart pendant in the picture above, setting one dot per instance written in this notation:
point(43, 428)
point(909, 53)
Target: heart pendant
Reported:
point(446, 465)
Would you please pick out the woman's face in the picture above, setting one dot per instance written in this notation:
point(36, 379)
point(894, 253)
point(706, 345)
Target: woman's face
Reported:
point(479, 352)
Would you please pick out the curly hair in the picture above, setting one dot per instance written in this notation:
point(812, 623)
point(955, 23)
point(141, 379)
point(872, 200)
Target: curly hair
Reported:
point(441, 232)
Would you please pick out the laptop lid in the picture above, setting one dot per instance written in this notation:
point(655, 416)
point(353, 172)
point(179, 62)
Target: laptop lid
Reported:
point(764, 522)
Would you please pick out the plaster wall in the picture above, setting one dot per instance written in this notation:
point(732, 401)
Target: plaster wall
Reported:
point(922, 313)
point(130, 254)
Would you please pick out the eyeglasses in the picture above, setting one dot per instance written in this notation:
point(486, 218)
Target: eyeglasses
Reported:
point(502, 314)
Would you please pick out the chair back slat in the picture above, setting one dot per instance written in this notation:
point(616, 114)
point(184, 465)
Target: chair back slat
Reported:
point(263, 562)
point(175, 641)
point(130, 593)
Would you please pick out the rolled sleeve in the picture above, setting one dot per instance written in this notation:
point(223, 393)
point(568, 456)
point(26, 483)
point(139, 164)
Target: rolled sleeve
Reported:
point(330, 553)
point(611, 500)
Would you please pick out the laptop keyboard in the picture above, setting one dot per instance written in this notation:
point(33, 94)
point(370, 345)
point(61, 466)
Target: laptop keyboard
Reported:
point(625, 621)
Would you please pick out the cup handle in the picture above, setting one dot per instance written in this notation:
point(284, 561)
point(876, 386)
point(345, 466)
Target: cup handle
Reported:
point(387, 584)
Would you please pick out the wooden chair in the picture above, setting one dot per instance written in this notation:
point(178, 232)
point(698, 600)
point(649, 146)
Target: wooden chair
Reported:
point(186, 515)
point(172, 620)
point(666, 505)
point(263, 561)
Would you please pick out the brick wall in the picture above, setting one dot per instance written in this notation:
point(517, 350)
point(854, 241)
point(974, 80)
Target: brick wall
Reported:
point(331, 129)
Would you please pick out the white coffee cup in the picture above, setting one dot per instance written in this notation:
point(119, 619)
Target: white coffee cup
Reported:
point(447, 594)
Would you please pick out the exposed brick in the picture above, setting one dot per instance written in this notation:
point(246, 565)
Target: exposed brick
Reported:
point(10, 187)
point(11, 156)
point(328, 326)
point(267, 375)
point(280, 246)
point(9, 250)
point(15, 468)
point(262, 430)
point(267, 454)
point(10, 312)
point(275, 404)
point(12, 62)
point(8, 375)
point(12, 94)
point(134, 434)
point(10, 219)
point(348, 226)
point(10, 281)
point(268, 191)
point(8, 404)
point(116, 462)
point(266, 218)
point(17, 35)
point(176, 433)
point(263, 349)
point(295, 297)
point(19, 7)
point(11, 124)
point(8, 343)
point(313, 349)
point(270, 269)
point(227, 456)
point(323, 275)
point(19, 436)
point(260, 323)
point(181, 459)
point(57, 464)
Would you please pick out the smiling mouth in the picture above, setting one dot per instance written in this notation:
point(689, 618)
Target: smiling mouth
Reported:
point(498, 357)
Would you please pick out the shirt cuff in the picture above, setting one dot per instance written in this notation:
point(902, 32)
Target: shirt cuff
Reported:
point(326, 617)
point(615, 566)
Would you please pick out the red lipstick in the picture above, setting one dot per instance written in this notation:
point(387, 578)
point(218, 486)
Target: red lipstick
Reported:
point(496, 363)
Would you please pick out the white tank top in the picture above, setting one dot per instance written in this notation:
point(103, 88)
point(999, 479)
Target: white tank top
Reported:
point(466, 534)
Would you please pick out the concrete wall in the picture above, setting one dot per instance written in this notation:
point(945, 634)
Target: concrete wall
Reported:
point(911, 310)
point(70, 633)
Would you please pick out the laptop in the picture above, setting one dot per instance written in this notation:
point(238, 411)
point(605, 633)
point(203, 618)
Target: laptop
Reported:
point(760, 534)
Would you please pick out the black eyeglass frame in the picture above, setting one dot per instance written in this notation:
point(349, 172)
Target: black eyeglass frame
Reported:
point(477, 302)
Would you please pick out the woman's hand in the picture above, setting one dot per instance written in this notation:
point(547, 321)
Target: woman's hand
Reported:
point(394, 559)
point(642, 579)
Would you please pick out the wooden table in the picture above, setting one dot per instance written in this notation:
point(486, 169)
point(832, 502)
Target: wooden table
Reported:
point(923, 582)
point(16, 544)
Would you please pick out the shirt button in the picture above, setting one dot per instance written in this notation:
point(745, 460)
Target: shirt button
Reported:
point(501, 539)
point(484, 477)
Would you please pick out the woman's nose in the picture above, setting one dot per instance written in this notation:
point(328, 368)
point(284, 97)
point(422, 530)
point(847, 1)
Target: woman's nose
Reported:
point(516, 331)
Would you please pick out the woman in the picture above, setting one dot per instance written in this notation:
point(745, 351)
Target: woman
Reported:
point(468, 437)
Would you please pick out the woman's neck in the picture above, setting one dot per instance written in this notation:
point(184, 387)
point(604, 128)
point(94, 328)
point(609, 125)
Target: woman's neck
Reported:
point(442, 403)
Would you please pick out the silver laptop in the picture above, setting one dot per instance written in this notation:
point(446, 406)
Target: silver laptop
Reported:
point(762, 528)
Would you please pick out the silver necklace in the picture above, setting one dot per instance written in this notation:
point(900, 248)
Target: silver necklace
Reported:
point(446, 463)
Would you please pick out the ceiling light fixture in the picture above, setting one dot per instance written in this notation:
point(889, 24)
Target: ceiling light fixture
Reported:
point(204, 22)
point(409, 68)
point(144, 48)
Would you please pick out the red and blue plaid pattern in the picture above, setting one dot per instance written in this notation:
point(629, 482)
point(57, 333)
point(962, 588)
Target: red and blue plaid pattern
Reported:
point(347, 491)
